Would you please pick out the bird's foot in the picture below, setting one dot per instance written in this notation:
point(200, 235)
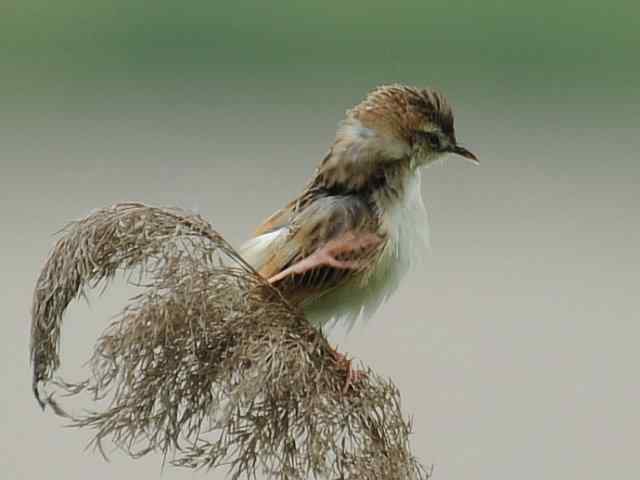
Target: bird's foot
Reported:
point(353, 375)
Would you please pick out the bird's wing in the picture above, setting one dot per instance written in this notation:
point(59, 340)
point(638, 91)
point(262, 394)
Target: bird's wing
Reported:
point(309, 250)
point(279, 219)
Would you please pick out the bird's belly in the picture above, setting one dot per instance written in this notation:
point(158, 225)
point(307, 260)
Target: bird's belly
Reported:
point(406, 227)
point(359, 297)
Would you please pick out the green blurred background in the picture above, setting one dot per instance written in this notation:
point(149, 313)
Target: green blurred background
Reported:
point(516, 348)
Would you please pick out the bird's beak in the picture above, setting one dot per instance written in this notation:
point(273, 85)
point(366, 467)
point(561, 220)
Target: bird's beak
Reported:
point(463, 152)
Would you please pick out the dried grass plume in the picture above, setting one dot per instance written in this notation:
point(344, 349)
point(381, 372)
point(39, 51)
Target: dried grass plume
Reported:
point(208, 364)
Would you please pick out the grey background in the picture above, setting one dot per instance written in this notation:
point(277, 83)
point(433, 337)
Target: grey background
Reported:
point(515, 349)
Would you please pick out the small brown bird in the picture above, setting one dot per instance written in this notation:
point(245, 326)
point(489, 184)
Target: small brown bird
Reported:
point(340, 249)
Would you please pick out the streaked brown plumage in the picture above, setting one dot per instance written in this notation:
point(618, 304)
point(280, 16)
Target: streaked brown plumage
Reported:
point(341, 247)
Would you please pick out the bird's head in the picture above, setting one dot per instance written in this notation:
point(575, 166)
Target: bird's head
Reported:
point(418, 122)
point(394, 123)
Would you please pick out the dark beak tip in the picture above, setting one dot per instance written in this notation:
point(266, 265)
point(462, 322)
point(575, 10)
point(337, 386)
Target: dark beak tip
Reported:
point(463, 152)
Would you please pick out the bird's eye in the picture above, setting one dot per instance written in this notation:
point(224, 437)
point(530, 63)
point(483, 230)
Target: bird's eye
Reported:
point(433, 140)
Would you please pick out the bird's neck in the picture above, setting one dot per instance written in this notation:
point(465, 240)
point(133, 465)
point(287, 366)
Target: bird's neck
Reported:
point(382, 185)
point(362, 158)
point(391, 181)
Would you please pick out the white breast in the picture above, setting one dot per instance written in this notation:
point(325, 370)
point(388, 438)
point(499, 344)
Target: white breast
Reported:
point(406, 224)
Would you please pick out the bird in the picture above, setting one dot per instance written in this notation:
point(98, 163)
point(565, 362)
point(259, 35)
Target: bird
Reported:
point(341, 248)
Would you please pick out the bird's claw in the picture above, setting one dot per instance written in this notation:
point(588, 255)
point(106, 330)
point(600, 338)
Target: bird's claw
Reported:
point(353, 376)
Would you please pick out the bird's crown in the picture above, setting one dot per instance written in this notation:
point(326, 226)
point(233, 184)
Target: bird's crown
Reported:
point(403, 110)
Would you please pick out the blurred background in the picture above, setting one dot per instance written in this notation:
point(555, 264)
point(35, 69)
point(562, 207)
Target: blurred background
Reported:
point(516, 348)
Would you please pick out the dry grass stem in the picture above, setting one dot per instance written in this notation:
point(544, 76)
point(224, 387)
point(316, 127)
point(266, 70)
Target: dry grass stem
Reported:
point(208, 364)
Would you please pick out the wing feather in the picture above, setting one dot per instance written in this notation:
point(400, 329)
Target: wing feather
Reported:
point(302, 229)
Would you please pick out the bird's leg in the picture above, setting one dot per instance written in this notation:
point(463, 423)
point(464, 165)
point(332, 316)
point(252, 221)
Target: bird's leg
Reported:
point(327, 255)
point(353, 375)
